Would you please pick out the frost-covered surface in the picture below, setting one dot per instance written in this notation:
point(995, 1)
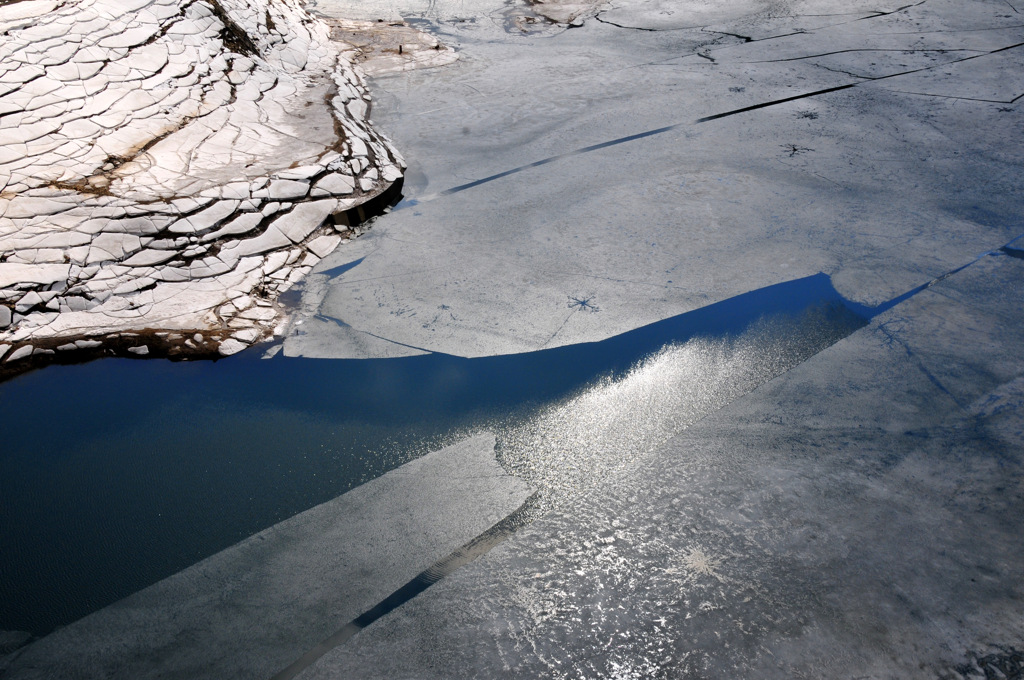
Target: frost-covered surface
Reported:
point(859, 516)
point(168, 168)
point(910, 170)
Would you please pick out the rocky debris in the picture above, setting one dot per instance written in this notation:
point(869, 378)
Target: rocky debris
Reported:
point(169, 168)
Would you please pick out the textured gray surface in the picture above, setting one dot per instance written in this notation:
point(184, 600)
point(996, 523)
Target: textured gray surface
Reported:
point(859, 516)
point(883, 185)
point(256, 607)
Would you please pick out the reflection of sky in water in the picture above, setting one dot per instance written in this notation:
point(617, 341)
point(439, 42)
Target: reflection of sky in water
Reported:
point(117, 473)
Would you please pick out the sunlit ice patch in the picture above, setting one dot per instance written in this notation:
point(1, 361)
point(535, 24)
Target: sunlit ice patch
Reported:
point(580, 441)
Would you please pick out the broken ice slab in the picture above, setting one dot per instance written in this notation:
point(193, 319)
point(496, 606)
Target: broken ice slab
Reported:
point(255, 608)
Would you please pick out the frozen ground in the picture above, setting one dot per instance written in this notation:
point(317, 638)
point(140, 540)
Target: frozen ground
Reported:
point(735, 506)
point(912, 170)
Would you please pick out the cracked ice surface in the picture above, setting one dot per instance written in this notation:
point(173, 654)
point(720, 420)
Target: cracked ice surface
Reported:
point(560, 165)
point(170, 167)
point(857, 516)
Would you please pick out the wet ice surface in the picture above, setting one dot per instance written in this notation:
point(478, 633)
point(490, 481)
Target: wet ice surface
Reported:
point(138, 490)
point(856, 517)
point(573, 445)
point(851, 513)
point(252, 609)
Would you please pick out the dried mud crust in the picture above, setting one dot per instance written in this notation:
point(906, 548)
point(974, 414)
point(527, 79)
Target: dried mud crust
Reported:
point(267, 310)
point(169, 169)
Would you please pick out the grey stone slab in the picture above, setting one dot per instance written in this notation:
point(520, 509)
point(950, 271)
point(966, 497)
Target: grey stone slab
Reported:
point(287, 189)
point(304, 219)
point(149, 258)
point(11, 273)
point(848, 519)
point(256, 607)
point(335, 184)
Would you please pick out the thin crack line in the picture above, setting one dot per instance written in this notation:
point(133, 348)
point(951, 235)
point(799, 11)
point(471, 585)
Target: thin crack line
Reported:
point(886, 306)
point(920, 365)
point(469, 185)
point(747, 39)
point(668, 128)
point(558, 330)
point(892, 337)
point(632, 28)
point(950, 96)
point(898, 9)
point(775, 102)
point(864, 49)
point(338, 322)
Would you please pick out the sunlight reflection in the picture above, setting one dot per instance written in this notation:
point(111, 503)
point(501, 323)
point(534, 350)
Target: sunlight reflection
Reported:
point(579, 442)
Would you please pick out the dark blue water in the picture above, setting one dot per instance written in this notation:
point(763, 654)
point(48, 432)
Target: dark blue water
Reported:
point(117, 473)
